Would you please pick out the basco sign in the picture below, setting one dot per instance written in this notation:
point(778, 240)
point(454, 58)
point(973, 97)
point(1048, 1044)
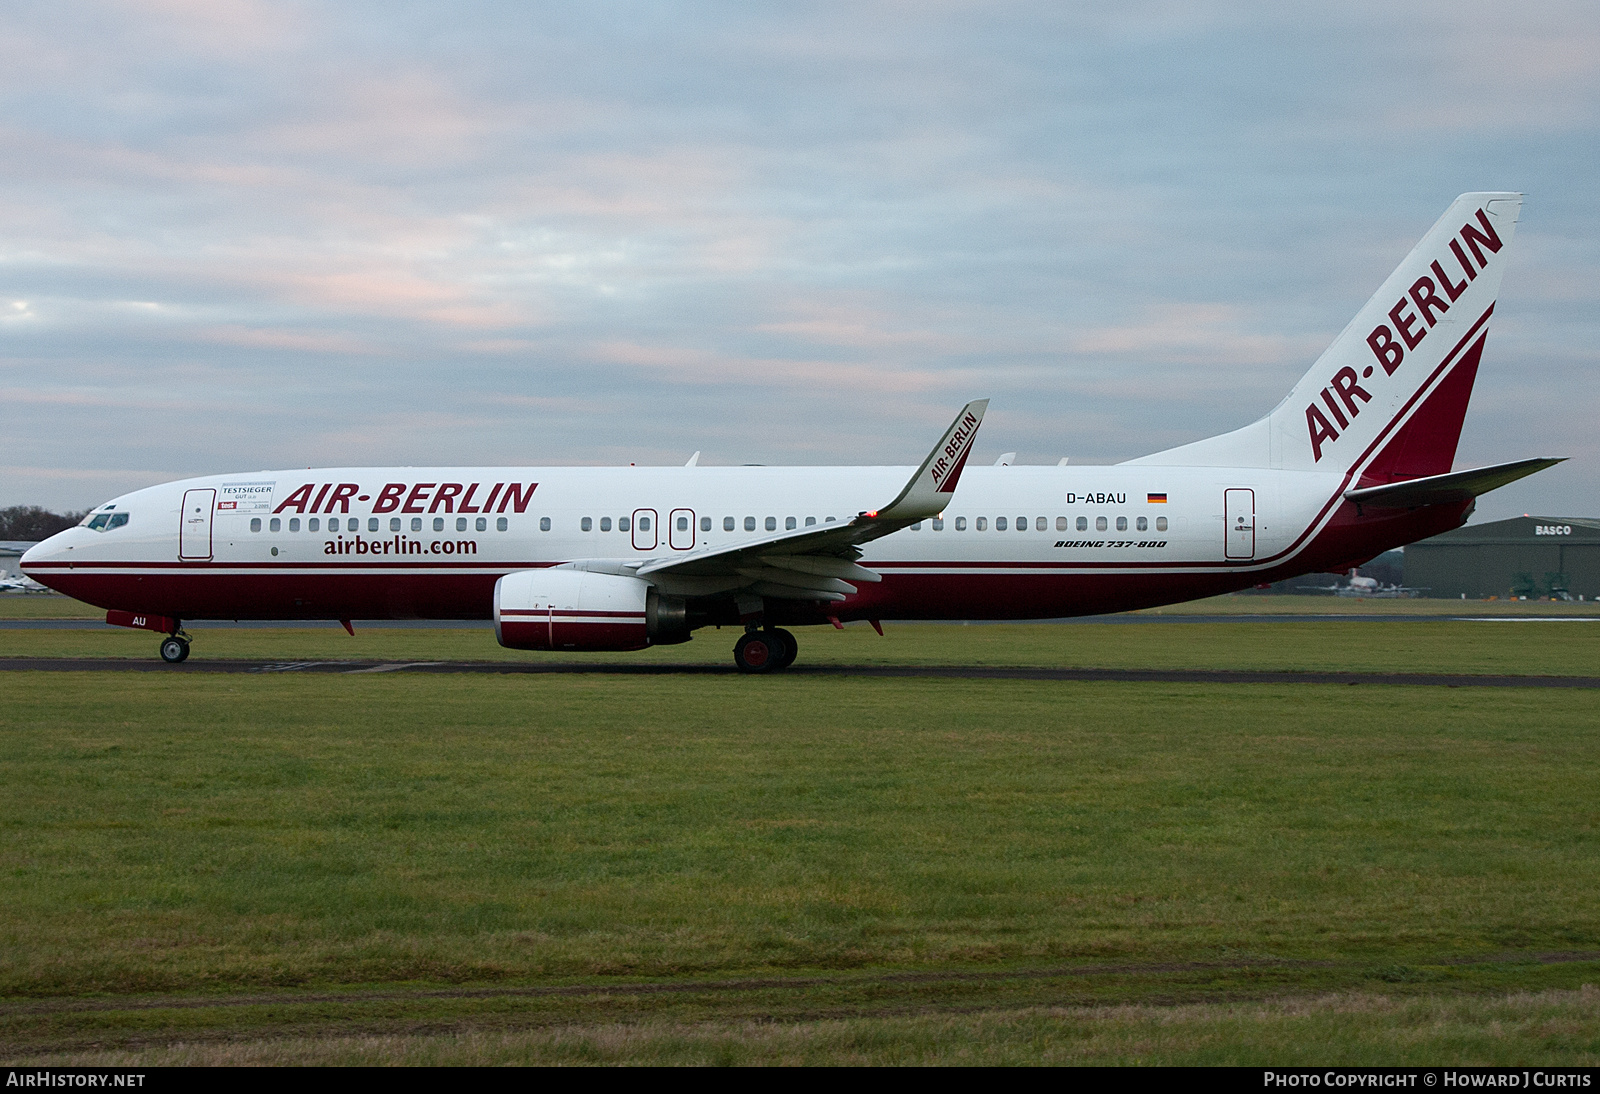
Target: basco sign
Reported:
point(1552, 529)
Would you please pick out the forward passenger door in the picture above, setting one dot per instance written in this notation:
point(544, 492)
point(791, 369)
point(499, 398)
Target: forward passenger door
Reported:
point(194, 527)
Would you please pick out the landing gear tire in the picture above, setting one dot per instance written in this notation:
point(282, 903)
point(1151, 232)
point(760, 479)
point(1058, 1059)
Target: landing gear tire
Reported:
point(174, 650)
point(791, 648)
point(757, 652)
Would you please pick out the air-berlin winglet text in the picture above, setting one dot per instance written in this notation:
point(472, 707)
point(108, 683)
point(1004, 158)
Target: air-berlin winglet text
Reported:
point(953, 457)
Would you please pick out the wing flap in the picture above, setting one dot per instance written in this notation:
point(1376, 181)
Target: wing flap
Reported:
point(823, 566)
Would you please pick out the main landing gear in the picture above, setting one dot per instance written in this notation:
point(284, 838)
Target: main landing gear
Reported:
point(175, 648)
point(765, 650)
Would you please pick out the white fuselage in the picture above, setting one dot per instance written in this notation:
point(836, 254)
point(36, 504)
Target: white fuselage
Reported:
point(290, 540)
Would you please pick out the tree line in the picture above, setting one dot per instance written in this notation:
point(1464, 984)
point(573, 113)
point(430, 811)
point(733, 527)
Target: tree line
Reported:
point(31, 522)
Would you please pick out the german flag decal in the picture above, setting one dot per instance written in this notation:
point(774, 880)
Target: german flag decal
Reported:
point(1155, 499)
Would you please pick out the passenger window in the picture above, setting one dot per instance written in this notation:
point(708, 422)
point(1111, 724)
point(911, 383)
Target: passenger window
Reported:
point(644, 524)
point(416, 524)
point(1161, 524)
point(438, 524)
point(624, 524)
point(1041, 525)
point(1122, 524)
point(461, 524)
point(1061, 524)
point(983, 524)
point(255, 524)
point(500, 524)
point(1022, 524)
point(810, 521)
point(605, 524)
point(372, 524)
point(749, 524)
point(727, 524)
point(705, 524)
point(938, 524)
point(683, 524)
point(788, 524)
point(294, 524)
point(1099, 524)
point(481, 524)
point(1083, 524)
point(333, 524)
point(394, 524)
point(827, 520)
point(1000, 524)
point(273, 525)
point(772, 524)
point(586, 524)
point(313, 525)
point(917, 527)
point(544, 524)
point(961, 524)
point(1142, 524)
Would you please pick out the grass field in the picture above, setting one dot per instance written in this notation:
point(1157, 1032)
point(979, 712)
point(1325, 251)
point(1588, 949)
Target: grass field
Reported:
point(1534, 647)
point(588, 868)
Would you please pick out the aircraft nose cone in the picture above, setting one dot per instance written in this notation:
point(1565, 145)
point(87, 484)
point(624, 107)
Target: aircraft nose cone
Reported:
point(46, 551)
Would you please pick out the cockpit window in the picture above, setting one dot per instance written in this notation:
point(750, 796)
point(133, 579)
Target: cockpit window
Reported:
point(118, 520)
point(98, 521)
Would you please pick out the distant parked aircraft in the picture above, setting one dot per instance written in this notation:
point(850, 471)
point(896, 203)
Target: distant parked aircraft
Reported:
point(1357, 460)
point(1366, 588)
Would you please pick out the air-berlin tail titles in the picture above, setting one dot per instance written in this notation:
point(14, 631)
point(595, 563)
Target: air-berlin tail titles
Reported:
point(953, 457)
point(1343, 395)
point(451, 497)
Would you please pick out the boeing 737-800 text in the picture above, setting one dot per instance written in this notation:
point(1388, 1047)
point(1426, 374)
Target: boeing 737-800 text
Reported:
point(1355, 461)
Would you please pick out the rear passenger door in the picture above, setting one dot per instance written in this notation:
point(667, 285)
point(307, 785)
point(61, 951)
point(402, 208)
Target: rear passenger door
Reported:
point(1239, 507)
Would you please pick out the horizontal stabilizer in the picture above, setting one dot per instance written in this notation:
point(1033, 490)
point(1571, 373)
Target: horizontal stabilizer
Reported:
point(1441, 489)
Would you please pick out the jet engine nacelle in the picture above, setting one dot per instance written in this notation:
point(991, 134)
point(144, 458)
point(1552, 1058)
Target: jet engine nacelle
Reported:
point(578, 610)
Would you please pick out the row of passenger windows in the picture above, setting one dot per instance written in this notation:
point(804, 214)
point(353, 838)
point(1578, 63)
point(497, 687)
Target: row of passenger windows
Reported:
point(1042, 524)
point(981, 524)
point(353, 524)
point(729, 524)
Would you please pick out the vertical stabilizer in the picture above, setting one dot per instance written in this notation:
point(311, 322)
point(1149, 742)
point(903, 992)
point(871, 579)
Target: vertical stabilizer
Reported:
point(1387, 398)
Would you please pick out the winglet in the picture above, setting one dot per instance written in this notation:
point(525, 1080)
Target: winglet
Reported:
point(930, 488)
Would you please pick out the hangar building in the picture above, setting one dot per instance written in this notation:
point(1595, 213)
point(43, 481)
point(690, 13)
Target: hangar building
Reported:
point(1525, 556)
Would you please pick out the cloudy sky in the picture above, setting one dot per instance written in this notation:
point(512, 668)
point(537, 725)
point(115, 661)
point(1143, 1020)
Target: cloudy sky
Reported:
point(236, 235)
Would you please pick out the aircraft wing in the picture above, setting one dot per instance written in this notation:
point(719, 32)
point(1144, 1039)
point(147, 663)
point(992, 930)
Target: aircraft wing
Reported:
point(1454, 486)
point(813, 563)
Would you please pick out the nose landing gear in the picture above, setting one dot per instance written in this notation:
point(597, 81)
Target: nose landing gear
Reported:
point(175, 649)
point(765, 650)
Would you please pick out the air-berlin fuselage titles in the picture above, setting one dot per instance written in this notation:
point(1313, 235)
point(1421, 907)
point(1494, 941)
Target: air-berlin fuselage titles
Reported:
point(1356, 461)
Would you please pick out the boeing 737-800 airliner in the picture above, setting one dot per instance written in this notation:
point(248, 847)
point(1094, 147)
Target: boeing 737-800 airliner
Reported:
point(1355, 461)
